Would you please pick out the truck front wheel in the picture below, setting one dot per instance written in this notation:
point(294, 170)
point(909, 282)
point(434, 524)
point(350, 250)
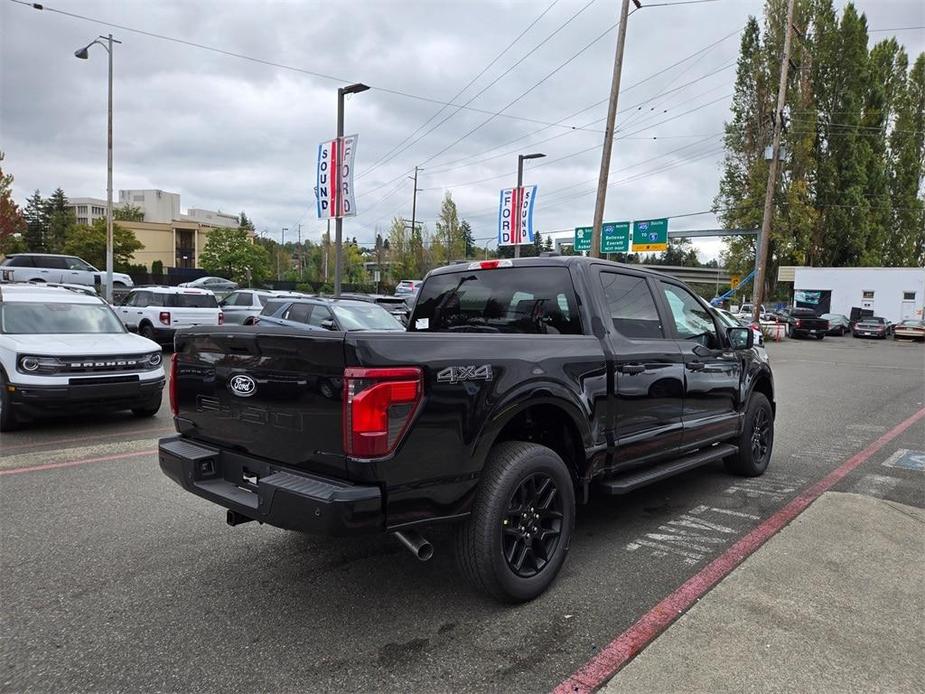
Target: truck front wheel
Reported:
point(756, 440)
point(517, 536)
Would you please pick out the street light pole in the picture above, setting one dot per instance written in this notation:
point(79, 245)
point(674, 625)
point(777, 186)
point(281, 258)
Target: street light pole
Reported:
point(338, 219)
point(83, 54)
point(520, 184)
point(279, 252)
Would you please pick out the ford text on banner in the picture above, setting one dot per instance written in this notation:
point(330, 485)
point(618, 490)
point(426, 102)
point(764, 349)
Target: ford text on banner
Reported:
point(515, 216)
point(334, 194)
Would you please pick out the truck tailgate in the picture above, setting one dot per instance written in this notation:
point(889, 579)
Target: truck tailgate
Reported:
point(276, 394)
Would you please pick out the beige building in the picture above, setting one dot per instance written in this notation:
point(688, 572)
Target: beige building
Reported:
point(176, 244)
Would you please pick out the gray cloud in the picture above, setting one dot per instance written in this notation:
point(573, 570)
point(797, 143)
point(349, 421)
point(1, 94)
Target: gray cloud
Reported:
point(231, 134)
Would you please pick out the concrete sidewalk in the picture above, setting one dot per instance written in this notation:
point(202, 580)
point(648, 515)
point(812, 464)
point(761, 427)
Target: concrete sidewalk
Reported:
point(834, 603)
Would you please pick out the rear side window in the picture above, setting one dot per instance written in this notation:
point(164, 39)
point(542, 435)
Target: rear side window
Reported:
point(631, 306)
point(508, 300)
point(243, 299)
point(299, 313)
point(191, 301)
point(272, 306)
point(51, 262)
point(19, 261)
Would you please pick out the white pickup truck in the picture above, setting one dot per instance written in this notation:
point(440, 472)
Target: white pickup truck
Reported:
point(157, 312)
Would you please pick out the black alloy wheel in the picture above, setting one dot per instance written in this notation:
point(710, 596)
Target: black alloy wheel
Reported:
point(761, 436)
point(532, 525)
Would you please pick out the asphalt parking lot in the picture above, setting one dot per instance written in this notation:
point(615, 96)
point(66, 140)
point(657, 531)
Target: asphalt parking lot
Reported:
point(115, 579)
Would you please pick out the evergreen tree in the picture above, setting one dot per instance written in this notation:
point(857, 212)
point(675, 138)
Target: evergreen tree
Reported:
point(12, 223)
point(906, 245)
point(465, 231)
point(60, 221)
point(36, 224)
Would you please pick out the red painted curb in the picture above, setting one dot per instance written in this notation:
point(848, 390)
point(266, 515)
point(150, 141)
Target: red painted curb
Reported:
point(627, 645)
point(72, 463)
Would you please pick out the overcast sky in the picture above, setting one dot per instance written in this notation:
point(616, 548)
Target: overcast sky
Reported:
point(232, 134)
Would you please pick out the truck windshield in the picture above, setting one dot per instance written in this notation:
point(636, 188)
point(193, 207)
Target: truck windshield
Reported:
point(506, 300)
point(57, 319)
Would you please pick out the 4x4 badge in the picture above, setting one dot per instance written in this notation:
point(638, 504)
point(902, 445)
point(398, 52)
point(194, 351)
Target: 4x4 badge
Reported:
point(243, 386)
point(456, 374)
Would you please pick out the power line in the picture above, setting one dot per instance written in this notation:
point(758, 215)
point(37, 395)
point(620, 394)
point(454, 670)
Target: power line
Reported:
point(470, 83)
point(271, 63)
point(523, 94)
point(499, 77)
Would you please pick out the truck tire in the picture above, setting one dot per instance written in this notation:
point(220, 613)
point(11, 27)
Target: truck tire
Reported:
point(517, 536)
point(149, 409)
point(8, 421)
point(756, 440)
point(820, 337)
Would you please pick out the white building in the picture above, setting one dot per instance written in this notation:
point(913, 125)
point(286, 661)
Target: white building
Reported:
point(87, 210)
point(157, 205)
point(896, 293)
point(219, 219)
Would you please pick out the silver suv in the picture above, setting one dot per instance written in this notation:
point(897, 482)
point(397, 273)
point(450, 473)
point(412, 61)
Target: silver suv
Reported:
point(56, 269)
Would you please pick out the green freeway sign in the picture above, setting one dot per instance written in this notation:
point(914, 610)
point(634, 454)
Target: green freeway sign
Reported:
point(582, 239)
point(615, 237)
point(650, 235)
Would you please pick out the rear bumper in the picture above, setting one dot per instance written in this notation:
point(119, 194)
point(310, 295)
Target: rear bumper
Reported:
point(36, 400)
point(282, 497)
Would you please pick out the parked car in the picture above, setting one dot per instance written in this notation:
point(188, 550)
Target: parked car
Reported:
point(804, 322)
point(157, 312)
point(872, 326)
point(331, 314)
point(242, 306)
point(506, 400)
point(406, 287)
point(62, 350)
point(396, 305)
point(838, 324)
point(214, 284)
point(730, 321)
point(273, 304)
point(57, 269)
point(911, 329)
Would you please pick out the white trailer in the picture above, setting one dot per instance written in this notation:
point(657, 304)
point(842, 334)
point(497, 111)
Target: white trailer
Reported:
point(896, 293)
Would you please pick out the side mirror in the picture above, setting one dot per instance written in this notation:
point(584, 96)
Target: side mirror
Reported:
point(328, 324)
point(741, 338)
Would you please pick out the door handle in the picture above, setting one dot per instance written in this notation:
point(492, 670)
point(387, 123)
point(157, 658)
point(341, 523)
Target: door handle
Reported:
point(632, 368)
point(696, 365)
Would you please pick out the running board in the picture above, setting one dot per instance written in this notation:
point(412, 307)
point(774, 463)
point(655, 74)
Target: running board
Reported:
point(630, 481)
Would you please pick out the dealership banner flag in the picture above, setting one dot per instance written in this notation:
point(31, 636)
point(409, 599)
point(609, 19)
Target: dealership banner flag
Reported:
point(515, 216)
point(334, 191)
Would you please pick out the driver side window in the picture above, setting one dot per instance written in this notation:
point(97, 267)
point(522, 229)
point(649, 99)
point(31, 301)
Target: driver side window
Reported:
point(692, 320)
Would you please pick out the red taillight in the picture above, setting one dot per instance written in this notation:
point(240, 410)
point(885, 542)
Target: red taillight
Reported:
point(378, 407)
point(221, 318)
point(172, 388)
point(164, 317)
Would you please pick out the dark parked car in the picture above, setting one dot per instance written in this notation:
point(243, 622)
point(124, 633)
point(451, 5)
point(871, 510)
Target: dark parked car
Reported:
point(331, 314)
point(804, 322)
point(519, 385)
point(838, 324)
point(872, 326)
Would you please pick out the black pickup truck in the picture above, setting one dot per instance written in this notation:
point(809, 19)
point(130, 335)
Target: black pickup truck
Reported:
point(518, 387)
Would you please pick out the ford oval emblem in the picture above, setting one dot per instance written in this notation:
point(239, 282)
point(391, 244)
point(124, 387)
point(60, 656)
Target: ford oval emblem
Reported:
point(242, 386)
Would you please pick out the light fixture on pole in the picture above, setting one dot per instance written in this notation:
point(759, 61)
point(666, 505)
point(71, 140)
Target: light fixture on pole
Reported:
point(83, 54)
point(338, 220)
point(520, 183)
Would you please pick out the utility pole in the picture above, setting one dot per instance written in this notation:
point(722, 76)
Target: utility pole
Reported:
point(301, 276)
point(608, 133)
point(327, 249)
point(279, 252)
point(763, 238)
